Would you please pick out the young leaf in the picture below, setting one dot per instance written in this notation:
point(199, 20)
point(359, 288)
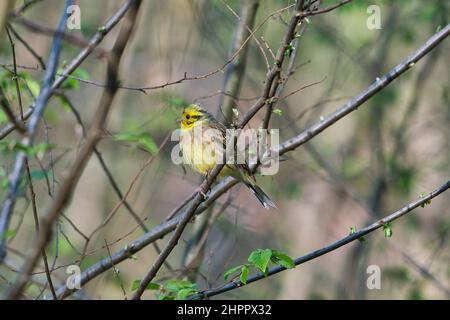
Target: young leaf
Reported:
point(282, 259)
point(148, 143)
point(231, 271)
point(81, 73)
point(38, 174)
point(177, 285)
point(10, 233)
point(150, 286)
point(184, 293)
point(387, 228)
point(64, 103)
point(245, 270)
point(141, 138)
point(260, 258)
point(278, 112)
point(5, 183)
point(423, 194)
point(353, 231)
point(135, 285)
point(34, 87)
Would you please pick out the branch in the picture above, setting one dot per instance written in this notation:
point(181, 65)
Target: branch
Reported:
point(95, 40)
point(6, 107)
point(71, 38)
point(336, 245)
point(41, 102)
point(187, 216)
point(78, 60)
point(365, 95)
point(289, 145)
point(200, 197)
point(234, 72)
point(316, 10)
point(94, 134)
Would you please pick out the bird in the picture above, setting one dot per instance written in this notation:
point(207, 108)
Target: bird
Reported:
point(202, 142)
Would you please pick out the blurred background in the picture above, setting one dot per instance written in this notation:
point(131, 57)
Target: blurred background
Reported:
point(384, 155)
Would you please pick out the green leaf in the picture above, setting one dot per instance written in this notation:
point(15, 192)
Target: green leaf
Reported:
point(177, 285)
point(41, 148)
point(282, 259)
point(19, 146)
point(387, 228)
point(72, 83)
point(153, 286)
point(278, 112)
point(148, 143)
point(260, 258)
point(10, 233)
point(231, 271)
point(38, 174)
point(353, 231)
point(126, 136)
point(81, 73)
point(245, 270)
point(34, 87)
point(3, 117)
point(5, 183)
point(64, 103)
point(150, 286)
point(427, 202)
point(184, 293)
point(143, 139)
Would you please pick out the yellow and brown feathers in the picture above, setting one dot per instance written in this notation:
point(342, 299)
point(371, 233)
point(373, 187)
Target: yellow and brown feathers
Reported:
point(203, 141)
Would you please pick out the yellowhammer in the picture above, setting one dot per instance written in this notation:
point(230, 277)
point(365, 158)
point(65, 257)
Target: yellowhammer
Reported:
point(203, 141)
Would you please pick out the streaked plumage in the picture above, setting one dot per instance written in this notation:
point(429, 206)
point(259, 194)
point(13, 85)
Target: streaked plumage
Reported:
point(202, 147)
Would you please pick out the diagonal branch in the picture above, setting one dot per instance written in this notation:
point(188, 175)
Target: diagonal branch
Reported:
point(289, 145)
point(422, 201)
point(7, 208)
point(203, 189)
point(234, 72)
point(93, 136)
point(78, 60)
point(21, 157)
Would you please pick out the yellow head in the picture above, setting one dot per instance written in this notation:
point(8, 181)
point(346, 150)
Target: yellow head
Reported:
point(193, 115)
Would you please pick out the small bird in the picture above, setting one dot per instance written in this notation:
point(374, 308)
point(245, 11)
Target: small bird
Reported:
point(202, 147)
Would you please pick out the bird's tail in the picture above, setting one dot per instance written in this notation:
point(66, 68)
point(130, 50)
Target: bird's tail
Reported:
point(260, 194)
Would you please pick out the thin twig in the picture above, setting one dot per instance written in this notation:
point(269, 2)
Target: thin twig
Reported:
point(287, 146)
point(62, 197)
point(41, 102)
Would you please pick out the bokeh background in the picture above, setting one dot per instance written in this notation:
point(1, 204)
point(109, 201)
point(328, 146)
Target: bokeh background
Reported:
point(395, 147)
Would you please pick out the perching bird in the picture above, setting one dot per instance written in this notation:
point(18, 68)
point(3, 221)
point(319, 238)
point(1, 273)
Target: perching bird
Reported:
point(202, 147)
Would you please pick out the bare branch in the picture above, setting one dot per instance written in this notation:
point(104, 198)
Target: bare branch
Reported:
point(41, 102)
point(336, 245)
point(283, 148)
point(94, 134)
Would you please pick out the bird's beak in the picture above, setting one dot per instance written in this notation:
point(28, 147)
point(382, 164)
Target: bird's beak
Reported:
point(179, 120)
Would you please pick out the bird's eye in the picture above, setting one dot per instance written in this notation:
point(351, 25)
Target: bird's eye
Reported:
point(188, 117)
